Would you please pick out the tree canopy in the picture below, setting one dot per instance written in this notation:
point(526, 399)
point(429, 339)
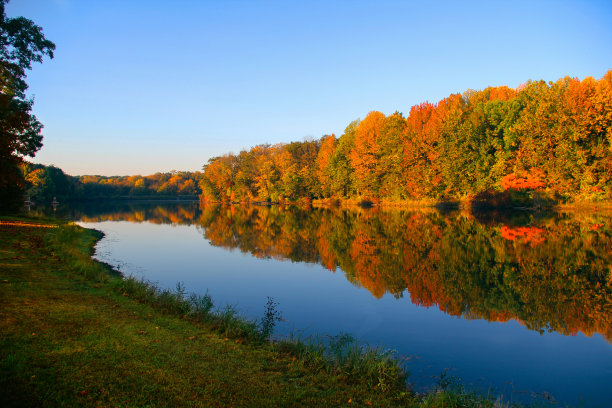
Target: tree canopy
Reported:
point(21, 43)
point(45, 182)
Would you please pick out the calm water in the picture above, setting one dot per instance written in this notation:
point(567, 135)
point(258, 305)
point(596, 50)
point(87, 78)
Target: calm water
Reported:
point(517, 302)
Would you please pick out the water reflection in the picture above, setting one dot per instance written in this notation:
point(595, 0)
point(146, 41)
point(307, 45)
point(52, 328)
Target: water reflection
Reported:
point(548, 271)
point(155, 212)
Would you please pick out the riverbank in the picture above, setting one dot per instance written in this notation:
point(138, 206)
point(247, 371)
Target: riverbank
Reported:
point(484, 202)
point(73, 335)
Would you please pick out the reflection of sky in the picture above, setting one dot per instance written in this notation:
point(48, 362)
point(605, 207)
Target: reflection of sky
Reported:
point(315, 300)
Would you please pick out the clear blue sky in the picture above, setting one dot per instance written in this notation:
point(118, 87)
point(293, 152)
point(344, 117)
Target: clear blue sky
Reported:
point(143, 86)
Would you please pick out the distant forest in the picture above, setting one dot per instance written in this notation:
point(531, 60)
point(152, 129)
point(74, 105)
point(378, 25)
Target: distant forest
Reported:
point(46, 182)
point(542, 141)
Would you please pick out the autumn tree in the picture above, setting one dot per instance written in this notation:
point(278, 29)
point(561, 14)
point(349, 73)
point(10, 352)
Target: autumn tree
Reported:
point(289, 183)
point(323, 164)
point(424, 127)
point(43, 183)
point(587, 119)
point(266, 173)
point(539, 131)
point(366, 152)
point(475, 142)
point(462, 147)
point(304, 155)
point(218, 182)
point(420, 140)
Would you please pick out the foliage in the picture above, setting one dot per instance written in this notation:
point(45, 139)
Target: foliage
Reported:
point(549, 138)
point(539, 144)
point(21, 43)
point(45, 182)
point(271, 316)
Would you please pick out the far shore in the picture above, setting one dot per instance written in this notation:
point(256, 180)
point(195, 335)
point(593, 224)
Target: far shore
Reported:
point(463, 204)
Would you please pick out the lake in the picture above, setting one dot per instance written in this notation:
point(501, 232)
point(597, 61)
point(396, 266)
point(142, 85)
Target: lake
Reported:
point(517, 304)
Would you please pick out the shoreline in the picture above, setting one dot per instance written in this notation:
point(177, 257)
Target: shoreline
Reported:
point(463, 204)
point(66, 253)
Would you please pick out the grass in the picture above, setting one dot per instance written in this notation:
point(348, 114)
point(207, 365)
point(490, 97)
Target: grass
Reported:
point(72, 333)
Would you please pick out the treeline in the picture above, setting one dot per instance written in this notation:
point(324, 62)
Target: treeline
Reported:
point(544, 141)
point(45, 182)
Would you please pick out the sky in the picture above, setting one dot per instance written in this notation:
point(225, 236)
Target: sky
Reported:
point(138, 87)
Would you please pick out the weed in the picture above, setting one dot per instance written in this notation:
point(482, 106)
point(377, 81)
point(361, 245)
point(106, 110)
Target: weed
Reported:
point(201, 306)
point(344, 356)
point(271, 316)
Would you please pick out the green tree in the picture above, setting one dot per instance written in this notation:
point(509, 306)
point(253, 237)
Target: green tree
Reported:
point(21, 43)
point(342, 174)
point(47, 182)
point(391, 163)
point(322, 165)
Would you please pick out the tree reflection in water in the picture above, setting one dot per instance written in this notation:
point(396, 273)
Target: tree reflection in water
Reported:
point(551, 272)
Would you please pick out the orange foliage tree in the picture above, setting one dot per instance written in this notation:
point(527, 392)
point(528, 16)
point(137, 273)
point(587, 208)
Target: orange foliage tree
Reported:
point(365, 154)
point(532, 180)
point(324, 157)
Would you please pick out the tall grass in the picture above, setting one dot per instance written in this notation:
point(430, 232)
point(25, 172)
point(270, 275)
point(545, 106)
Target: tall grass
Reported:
point(199, 308)
point(344, 356)
point(70, 245)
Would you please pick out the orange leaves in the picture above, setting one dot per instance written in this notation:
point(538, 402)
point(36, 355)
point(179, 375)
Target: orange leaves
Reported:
point(532, 180)
point(324, 247)
point(326, 152)
point(366, 262)
point(460, 146)
point(526, 235)
point(219, 174)
point(421, 143)
point(501, 93)
point(364, 156)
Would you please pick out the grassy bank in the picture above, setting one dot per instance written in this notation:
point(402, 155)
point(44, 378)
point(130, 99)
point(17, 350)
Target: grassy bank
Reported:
point(72, 334)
